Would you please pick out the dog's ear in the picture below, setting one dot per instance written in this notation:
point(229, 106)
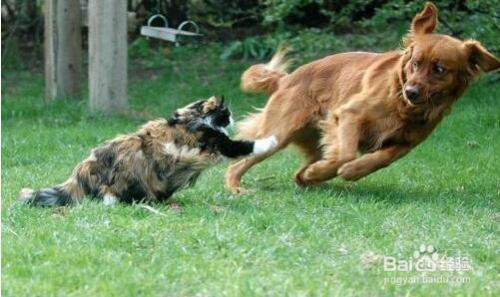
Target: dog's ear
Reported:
point(425, 22)
point(479, 57)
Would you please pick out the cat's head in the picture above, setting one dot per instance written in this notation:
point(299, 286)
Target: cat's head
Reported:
point(210, 112)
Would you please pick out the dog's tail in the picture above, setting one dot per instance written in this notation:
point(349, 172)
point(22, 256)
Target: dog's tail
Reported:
point(265, 77)
point(68, 193)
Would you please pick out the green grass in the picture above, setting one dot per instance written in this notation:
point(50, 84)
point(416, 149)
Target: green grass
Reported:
point(280, 240)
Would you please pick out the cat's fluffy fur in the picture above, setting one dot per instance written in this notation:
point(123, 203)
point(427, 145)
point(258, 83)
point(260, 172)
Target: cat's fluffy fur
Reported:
point(154, 162)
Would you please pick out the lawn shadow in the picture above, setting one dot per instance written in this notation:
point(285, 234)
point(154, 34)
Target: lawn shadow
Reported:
point(392, 193)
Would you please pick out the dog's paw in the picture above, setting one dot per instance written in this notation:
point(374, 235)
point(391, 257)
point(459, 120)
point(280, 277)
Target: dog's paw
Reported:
point(299, 180)
point(237, 191)
point(264, 145)
point(351, 171)
point(303, 180)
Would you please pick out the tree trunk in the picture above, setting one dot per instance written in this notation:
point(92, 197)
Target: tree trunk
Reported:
point(63, 51)
point(108, 55)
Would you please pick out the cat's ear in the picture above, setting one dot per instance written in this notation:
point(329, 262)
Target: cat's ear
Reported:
point(211, 104)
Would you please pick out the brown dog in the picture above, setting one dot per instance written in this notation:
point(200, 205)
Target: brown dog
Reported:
point(381, 105)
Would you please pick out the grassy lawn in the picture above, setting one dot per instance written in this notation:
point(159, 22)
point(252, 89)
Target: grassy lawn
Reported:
point(280, 240)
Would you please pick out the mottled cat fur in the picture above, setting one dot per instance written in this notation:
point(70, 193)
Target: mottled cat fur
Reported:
point(154, 162)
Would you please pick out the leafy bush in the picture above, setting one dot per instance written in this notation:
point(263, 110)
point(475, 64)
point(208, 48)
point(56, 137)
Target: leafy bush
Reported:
point(338, 14)
point(310, 43)
point(363, 25)
point(462, 19)
point(147, 56)
point(254, 28)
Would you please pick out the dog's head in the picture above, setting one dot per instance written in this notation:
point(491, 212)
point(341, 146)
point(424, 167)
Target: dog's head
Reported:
point(437, 69)
point(211, 112)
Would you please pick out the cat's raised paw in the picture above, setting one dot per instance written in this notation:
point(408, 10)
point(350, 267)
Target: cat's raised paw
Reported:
point(265, 145)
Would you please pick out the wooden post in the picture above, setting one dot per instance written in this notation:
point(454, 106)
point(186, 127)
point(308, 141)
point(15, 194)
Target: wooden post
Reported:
point(108, 55)
point(63, 49)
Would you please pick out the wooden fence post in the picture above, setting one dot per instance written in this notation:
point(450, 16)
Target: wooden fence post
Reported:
point(108, 55)
point(63, 48)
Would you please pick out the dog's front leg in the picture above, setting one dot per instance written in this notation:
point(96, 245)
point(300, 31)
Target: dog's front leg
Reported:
point(371, 162)
point(341, 146)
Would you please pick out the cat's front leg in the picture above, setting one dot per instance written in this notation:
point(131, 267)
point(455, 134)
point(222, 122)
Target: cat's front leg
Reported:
point(264, 145)
point(238, 148)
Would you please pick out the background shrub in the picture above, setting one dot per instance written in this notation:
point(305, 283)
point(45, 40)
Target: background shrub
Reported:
point(253, 28)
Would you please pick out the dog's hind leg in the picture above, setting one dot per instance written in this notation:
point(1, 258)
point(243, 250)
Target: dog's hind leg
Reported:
point(237, 169)
point(280, 119)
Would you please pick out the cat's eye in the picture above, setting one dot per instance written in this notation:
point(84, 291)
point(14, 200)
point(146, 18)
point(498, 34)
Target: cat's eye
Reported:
point(438, 70)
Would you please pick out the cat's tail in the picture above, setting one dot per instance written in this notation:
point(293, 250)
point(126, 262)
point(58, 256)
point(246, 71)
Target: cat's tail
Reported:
point(266, 77)
point(69, 193)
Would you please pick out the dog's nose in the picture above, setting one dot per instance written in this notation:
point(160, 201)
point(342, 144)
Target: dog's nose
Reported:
point(412, 93)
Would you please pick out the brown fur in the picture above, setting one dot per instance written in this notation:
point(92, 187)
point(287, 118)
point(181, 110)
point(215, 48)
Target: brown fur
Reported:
point(266, 77)
point(354, 102)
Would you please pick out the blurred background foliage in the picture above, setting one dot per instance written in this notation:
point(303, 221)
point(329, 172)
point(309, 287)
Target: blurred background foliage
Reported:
point(252, 29)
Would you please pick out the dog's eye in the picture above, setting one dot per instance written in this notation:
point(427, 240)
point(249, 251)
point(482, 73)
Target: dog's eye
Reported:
point(414, 65)
point(438, 70)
